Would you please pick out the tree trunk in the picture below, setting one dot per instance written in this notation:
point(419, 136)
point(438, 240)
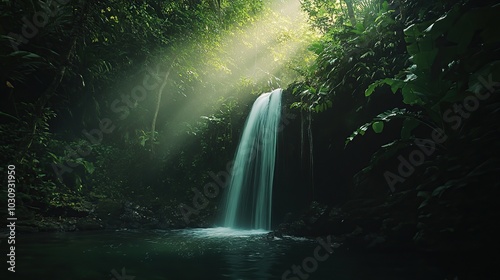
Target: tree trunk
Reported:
point(158, 101)
point(350, 12)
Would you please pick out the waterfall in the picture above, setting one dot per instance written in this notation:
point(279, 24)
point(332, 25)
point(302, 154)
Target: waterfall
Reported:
point(249, 194)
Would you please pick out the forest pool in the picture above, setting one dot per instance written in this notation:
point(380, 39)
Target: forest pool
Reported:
point(214, 253)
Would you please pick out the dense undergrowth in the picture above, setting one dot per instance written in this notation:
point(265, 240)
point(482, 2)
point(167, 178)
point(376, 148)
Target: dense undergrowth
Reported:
point(407, 88)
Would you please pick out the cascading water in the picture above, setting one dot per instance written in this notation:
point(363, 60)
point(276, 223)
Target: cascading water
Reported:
point(248, 202)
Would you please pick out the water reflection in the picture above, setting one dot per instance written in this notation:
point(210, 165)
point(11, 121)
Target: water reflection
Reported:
point(245, 254)
point(217, 253)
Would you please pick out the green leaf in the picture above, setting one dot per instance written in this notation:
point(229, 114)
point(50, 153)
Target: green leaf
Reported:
point(371, 88)
point(411, 33)
point(7, 115)
point(378, 126)
point(395, 84)
point(89, 167)
point(362, 130)
point(385, 6)
point(410, 97)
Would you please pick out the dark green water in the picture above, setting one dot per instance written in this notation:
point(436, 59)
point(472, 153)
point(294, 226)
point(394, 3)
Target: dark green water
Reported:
point(201, 254)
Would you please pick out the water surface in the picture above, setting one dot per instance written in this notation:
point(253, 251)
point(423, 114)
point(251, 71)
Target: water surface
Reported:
point(216, 253)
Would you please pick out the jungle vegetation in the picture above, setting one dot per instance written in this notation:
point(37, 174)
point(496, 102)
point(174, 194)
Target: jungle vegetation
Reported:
point(104, 102)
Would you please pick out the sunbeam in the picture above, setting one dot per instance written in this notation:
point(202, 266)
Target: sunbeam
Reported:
point(263, 54)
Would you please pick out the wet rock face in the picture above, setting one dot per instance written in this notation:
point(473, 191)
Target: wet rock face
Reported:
point(458, 214)
point(59, 224)
point(313, 222)
point(136, 216)
point(111, 214)
point(447, 216)
point(122, 214)
point(373, 224)
point(89, 223)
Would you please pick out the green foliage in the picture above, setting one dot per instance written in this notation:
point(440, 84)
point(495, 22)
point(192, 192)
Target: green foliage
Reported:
point(377, 123)
point(18, 65)
point(327, 15)
point(312, 99)
point(446, 60)
point(453, 56)
point(146, 137)
point(322, 13)
point(351, 57)
point(32, 171)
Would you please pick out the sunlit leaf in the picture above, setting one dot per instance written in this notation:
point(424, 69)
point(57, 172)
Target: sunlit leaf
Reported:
point(378, 127)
